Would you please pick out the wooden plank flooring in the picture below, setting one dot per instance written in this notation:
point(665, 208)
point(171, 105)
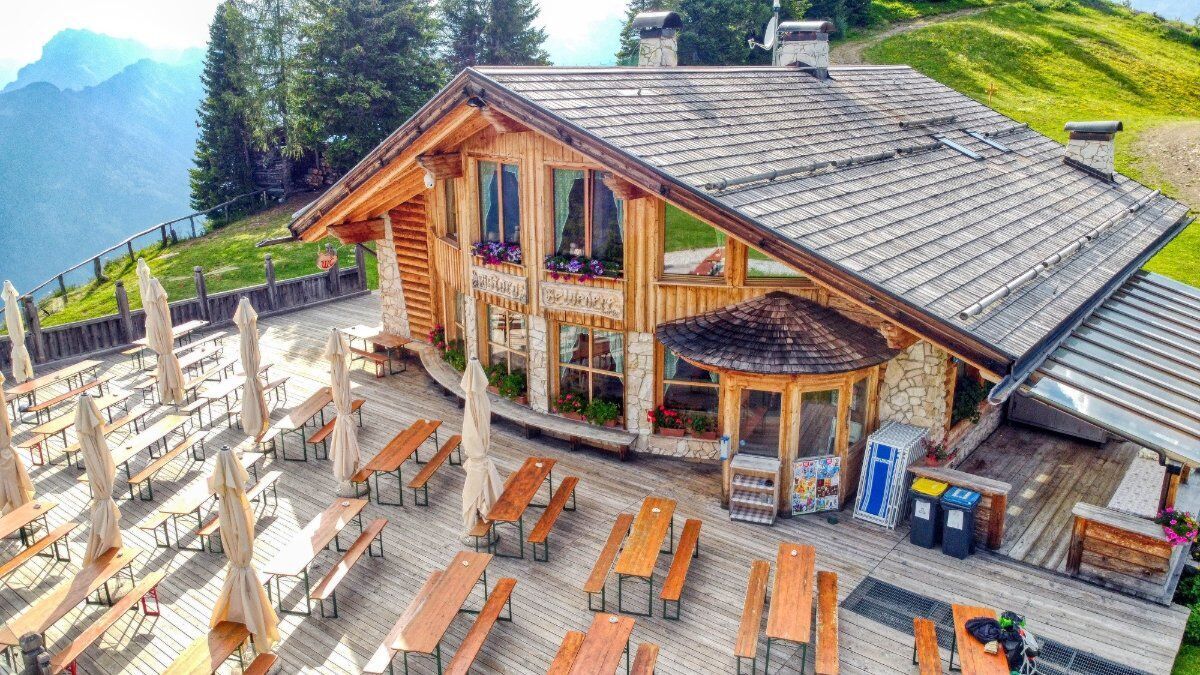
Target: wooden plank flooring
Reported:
point(548, 599)
point(1049, 475)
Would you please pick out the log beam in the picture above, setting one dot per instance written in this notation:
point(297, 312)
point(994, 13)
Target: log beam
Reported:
point(622, 188)
point(503, 124)
point(897, 337)
point(442, 166)
point(357, 232)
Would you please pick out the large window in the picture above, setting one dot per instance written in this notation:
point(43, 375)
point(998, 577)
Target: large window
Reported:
point(450, 208)
point(858, 411)
point(507, 339)
point(456, 327)
point(759, 265)
point(759, 423)
point(588, 219)
point(818, 423)
point(499, 203)
point(688, 388)
point(692, 247)
point(591, 363)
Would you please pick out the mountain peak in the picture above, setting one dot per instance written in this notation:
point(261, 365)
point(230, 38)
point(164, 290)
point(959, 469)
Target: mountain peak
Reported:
point(77, 58)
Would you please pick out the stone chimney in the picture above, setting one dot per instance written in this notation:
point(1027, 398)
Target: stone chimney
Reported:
point(659, 38)
point(805, 44)
point(1091, 147)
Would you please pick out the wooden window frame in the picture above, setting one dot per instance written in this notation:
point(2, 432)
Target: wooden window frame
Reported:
point(727, 276)
point(500, 164)
point(557, 365)
point(588, 202)
point(661, 382)
point(450, 211)
point(488, 344)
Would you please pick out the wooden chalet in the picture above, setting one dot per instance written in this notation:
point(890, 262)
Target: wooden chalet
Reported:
point(796, 253)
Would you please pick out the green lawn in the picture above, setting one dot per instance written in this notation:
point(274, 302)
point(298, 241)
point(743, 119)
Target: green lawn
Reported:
point(1188, 661)
point(229, 259)
point(1049, 66)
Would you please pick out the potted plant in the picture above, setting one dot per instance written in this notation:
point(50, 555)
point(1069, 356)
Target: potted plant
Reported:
point(497, 252)
point(666, 421)
point(602, 413)
point(1180, 527)
point(437, 338)
point(495, 373)
point(570, 405)
point(935, 453)
point(703, 427)
point(512, 386)
point(456, 355)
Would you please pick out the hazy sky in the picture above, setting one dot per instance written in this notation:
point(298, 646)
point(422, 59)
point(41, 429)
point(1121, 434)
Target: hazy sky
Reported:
point(580, 32)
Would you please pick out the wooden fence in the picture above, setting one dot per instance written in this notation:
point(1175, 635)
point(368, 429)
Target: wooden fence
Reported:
point(108, 333)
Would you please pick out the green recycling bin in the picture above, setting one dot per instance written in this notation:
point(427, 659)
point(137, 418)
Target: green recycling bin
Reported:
point(925, 528)
point(958, 522)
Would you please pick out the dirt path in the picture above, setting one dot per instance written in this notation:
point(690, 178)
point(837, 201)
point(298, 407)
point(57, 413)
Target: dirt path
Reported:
point(851, 53)
point(1171, 153)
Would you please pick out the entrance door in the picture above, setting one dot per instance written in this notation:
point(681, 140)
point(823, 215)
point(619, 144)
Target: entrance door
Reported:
point(761, 422)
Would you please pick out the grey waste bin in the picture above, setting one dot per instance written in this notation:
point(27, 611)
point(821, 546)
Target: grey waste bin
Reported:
point(925, 526)
point(958, 522)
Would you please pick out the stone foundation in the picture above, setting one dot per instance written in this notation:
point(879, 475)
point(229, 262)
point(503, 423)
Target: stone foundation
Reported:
point(973, 435)
point(538, 374)
point(686, 448)
point(914, 389)
point(639, 384)
point(391, 289)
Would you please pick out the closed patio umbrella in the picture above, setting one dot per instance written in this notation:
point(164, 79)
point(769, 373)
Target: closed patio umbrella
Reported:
point(343, 449)
point(162, 341)
point(101, 473)
point(143, 284)
point(15, 486)
point(243, 598)
point(22, 367)
point(254, 403)
point(482, 486)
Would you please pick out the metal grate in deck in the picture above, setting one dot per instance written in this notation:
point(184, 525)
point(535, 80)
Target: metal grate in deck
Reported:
point(896, 608)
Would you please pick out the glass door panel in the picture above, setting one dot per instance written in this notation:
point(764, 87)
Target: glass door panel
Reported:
point(818, 423)
point(761, 417)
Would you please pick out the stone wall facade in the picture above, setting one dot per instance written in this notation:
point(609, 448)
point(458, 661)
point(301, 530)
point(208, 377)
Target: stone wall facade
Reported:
point(391, 288)
point(1097, 154)
point(658, 51)
point(639, 384)
point(538, 375)
point(990, 418)
point(914, 389)
point(685, 448)
point(470, 325)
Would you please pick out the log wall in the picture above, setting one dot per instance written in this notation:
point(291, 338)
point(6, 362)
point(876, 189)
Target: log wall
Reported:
point(1124, 552)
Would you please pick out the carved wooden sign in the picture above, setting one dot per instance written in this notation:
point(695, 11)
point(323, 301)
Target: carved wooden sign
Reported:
point(605, 302)
point(502, 284)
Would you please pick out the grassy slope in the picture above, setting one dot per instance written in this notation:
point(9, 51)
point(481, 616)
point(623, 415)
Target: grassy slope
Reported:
point(1050, 66)
point(227, 255)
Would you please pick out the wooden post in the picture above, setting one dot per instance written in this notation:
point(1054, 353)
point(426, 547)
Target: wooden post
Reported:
point(360, 262)
point(1170, 486)
point(335, 275)
point(123, 310)
point(34, 324)
point(272, 290)
point(1075, 551)
point(62, 286)
point(192, 222)
point(97, 268)
point(162, 230)
point(995, 533)
point(129, 245)
point(201, 291)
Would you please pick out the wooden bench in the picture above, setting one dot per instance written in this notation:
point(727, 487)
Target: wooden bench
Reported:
point(379, 359)
point(52, 539)
point(146, 588)
point(468, 650)
point(208, 652)
point(196, 358)
point(278, 388)
point(925, 647)
point(326, 588)
point(210, 528)
point(392, 457)
point(143, 479)
point(322, 435)
point(44, 407)
point(598, 579)
point(746, 644)
point(261, 665)
point(132, 417)
point(647, 656)
point(540, 534)
point(381, 660)
point(35, 441)
point(567, 651)
point(688, 548)
point(420, 482)
point(827, 624)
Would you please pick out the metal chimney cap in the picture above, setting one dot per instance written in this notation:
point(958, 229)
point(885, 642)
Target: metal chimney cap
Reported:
point(806, 27)
point(656, 21)
point(1108, 127)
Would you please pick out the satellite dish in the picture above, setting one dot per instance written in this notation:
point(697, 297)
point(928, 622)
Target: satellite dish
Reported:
point(772, 29)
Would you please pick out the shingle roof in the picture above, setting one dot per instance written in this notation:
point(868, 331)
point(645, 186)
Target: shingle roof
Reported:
point(776, 334)
point(935, 227)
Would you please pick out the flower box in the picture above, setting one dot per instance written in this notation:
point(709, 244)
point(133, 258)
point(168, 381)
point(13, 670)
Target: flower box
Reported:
point(576, 416)
point(671, 432)
point(579, 268)
point(497, 253)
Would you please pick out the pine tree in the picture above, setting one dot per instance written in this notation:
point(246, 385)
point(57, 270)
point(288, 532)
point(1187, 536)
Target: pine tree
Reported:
point(224, 150)
point(275, 27)
point(367, 65)
point(463, 24)
point(510, 38)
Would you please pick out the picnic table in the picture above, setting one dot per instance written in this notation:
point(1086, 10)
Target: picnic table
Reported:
point(190, 499)
point(606, 641)
point(518, 495)
point(654, 522)
point(149, 438)
point(206, 654)
point(59, 426)
point(54, 605)
point(179, 332)
point(390, 460)
point(297, 419)
point(374, 337)
point(790, 616)
point(30, 388)
point(430, 619)
point(20, 518)
point(972, 659)
point(294, 559)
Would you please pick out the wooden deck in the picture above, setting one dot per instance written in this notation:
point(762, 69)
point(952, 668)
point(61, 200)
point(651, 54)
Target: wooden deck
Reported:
point(1049, 474)
point(548, 600)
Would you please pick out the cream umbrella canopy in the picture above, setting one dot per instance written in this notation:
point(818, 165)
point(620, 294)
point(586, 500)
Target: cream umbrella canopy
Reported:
point(144, 277)
point(22, 367)
point(343, 449)
point(15, 487)
point(162, 341)
point(243, 598)
point(482, 486)
point(101, 473)
point(254, 402)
